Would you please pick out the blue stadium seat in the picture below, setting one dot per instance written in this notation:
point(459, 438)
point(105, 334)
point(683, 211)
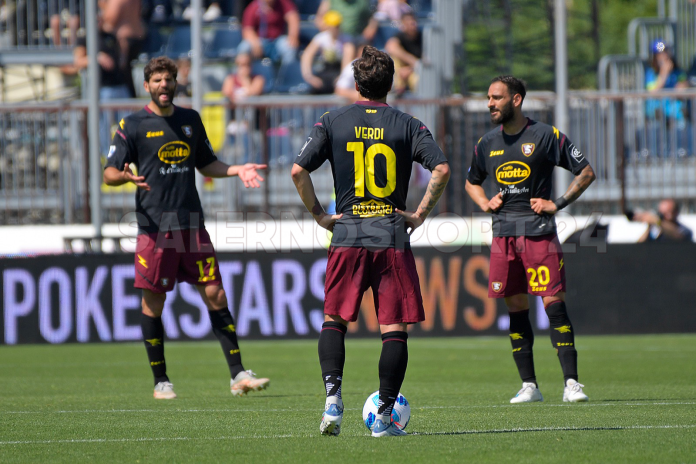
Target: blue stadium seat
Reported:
point(290, 79)
point(179, 43)
point(385, 32)
point(307, 8)
point(307, 32)
point(153, 45)
point(423, 8)
point(224, 43)
point(265, 68)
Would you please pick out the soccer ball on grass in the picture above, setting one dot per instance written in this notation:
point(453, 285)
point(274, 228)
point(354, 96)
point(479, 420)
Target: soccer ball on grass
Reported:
point(401, 413)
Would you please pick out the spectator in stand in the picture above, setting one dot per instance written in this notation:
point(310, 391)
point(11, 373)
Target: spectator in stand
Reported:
point(345, 84)
point(183, 84)
point(666, 114)
point(122, 18)
point(406, 49)
point(335, 51)
point(663, 226)
point(264, 27)
point(392, 10)
point(242, 83)
point(357, 18)
point(71, 11)
point(112, 77)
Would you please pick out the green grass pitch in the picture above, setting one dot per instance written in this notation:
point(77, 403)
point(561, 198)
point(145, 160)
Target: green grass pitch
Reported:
point(93, 403)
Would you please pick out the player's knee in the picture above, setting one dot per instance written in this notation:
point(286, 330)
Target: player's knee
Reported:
point(216, 296)
point(153, 303)
point(517, 303)
point(557, 313)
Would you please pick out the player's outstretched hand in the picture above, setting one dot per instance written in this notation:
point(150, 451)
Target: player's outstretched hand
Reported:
point(139, 181)
point(541, 206)
point(495, 203)
point(328, 221)
point(248, 175)
point(413, 220)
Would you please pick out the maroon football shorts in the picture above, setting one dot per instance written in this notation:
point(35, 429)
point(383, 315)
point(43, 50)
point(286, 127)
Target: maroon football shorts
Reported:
point(184, 255)
point(526, 265)
point(390, 272)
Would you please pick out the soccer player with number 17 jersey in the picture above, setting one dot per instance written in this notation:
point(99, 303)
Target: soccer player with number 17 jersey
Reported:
point(371, 148)
point(168, 143)
point(526, 256)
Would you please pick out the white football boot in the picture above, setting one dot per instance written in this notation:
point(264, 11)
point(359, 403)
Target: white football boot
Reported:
point(332, 417)
point(164, 391)
point(246, 381)
point(384, 427)
point(528, 394)
point(572, 393)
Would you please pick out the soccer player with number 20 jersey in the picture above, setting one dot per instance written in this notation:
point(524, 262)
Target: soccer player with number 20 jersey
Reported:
point(526, 256)
point(371, 148)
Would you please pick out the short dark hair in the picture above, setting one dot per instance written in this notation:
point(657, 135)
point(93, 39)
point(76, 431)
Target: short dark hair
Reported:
point(374, 73)
point(513, 84)
point(160, 64)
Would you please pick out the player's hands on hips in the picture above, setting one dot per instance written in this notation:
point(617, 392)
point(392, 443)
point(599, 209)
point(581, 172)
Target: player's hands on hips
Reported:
point(247, 174)
point(413, 220)
point(495, 203)
point(328, 221)
point(541, 206)
point(139, 181)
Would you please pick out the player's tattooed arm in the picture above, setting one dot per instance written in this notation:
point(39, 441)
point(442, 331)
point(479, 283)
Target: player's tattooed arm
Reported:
point(436, 187)
point(577, 186)
point(305, 187)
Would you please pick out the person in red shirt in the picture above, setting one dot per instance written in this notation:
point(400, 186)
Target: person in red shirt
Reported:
point(271, 28)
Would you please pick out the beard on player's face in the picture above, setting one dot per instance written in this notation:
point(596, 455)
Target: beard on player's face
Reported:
point(505, 114)
point(155, 94)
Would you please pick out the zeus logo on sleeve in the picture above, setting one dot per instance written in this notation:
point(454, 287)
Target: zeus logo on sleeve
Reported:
point(305, 146)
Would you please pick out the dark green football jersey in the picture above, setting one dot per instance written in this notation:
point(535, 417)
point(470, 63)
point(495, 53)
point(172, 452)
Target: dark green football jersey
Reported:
point(167, 151)
point(522, 168)
point(371, 148)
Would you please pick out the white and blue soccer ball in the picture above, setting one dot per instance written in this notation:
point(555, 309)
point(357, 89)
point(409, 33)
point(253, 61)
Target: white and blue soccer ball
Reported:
point(401, 413)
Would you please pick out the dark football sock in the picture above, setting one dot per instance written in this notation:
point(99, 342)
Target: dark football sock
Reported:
point(563, 339)
point(153, 337)
point(392, 369)
point(226, 333)
point(332, 356)
point(522, 339)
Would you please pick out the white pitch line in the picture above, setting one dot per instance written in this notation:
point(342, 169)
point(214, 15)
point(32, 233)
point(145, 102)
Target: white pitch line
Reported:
point(490, 406)
point(269, 437)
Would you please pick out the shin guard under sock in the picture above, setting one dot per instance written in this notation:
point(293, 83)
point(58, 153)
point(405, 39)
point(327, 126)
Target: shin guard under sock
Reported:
point(563, 339)
point(153, 337)
point(392, 369)
point(522, 339)
point(226, 333)
point(332, 356)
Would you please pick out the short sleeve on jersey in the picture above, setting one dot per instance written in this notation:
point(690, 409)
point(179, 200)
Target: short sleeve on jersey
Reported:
point(120, 151)
point(570, 157)
point(477, 171)
point(315, 150)
point(425, 150)
point(205, 153)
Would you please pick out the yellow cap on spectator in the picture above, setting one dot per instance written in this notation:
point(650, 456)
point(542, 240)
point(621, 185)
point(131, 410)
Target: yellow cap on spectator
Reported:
point(333, 18)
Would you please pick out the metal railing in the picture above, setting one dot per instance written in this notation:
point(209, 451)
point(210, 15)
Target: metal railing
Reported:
point(641, 146)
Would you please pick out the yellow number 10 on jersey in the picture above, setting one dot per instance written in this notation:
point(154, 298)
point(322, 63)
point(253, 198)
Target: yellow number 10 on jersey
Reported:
point(365, 168)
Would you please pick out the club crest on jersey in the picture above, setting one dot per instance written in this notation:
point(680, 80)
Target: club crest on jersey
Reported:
point(188, 131)
point(497, 286)
point(528, 149)
point(165, 281)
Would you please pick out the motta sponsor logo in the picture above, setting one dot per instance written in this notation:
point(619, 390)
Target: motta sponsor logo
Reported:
point(174, 152)
point(512, 172)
